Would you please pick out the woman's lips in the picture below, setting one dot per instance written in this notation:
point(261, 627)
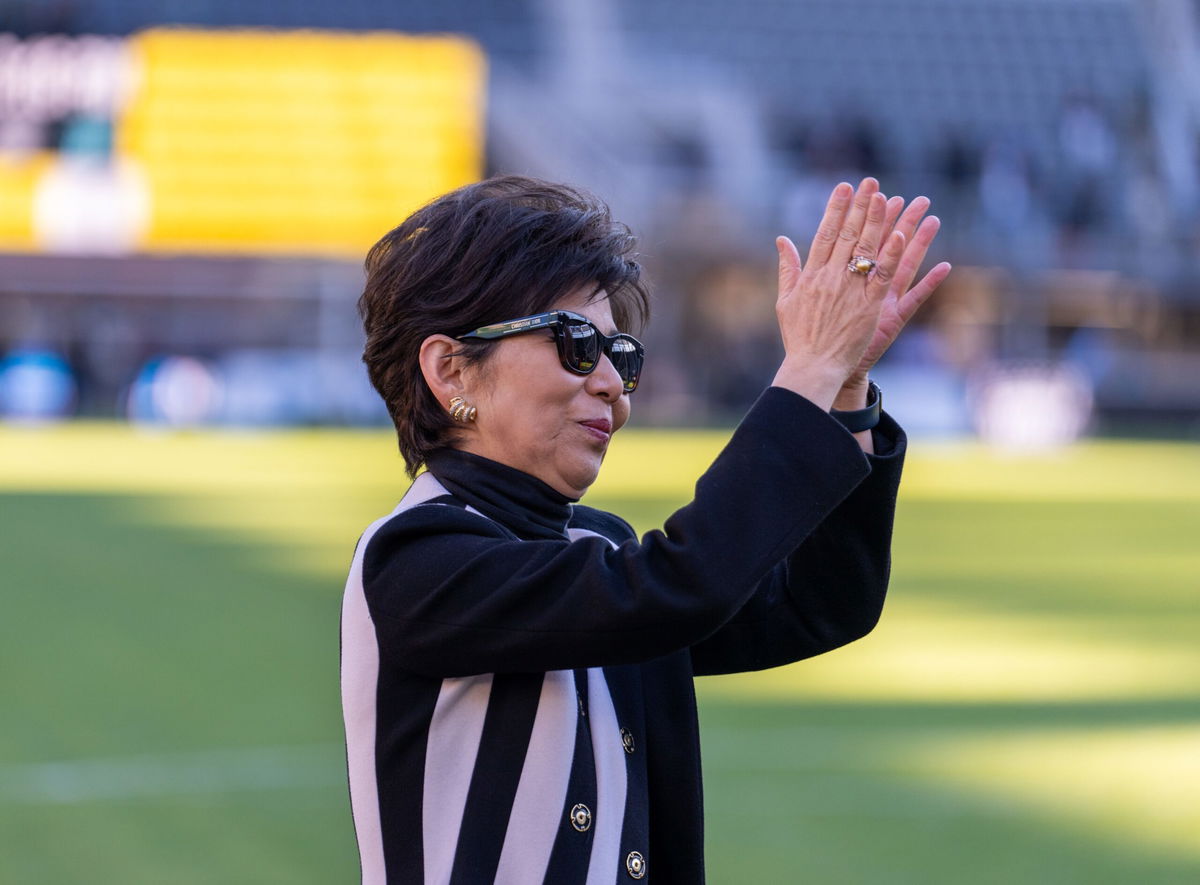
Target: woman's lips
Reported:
point(600, 428)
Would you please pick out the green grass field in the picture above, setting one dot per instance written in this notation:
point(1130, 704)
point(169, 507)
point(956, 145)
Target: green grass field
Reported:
point(1028, 709)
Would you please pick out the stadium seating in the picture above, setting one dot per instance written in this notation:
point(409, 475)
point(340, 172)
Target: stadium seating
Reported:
point(915, 68)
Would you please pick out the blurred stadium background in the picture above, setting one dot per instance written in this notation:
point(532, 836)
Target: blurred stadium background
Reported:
point(189, 446)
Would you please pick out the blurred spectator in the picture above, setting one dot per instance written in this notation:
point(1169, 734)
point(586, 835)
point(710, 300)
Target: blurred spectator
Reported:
point(958, 164)
point(107, 358)
point(35, 385)
point(91, 201)
point(1087, 149)
point(1007, 199)
point(174, 391)
point(1031, 406)
point(849, 148)
point(731, 309)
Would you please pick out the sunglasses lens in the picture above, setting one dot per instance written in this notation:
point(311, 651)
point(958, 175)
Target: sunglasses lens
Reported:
point(582, 346)
point(627, 361)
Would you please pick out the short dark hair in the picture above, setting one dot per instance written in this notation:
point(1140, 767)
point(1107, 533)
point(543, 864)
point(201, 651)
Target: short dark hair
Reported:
point(496, 250)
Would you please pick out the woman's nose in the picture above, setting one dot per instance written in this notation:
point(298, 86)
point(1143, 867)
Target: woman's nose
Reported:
point(605, 381)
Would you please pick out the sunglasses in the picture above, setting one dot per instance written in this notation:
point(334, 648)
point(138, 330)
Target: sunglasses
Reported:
point(580, 343)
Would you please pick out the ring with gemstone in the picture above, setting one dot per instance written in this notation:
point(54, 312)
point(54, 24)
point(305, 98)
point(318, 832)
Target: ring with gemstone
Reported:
point(860, 264)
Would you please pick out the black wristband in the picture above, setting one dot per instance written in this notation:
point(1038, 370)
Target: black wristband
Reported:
point(862, 419)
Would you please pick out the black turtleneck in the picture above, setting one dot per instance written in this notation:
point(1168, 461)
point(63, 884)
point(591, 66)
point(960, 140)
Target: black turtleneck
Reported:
point(511, 497)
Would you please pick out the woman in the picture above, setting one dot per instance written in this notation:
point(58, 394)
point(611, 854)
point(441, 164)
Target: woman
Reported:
point(517, 668)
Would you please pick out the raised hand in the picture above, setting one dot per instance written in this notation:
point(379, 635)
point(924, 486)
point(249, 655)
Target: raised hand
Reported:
point(903, 299)
point(828, 314)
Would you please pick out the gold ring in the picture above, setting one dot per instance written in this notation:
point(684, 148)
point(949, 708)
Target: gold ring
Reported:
point(860, 264)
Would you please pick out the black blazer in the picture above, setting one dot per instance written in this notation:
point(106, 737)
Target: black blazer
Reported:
point(517, 669)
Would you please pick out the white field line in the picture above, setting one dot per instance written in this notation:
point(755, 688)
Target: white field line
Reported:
point(174, 774)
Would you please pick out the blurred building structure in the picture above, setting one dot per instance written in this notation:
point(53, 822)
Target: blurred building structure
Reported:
point(1058, 139)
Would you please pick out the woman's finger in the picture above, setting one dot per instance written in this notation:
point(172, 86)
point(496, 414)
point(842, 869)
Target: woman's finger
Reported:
point(912, 300)
point(872, 232)
point(789, 264)
point(827, 231)
point(908, 222)
point(914, 255)
point(852, 227)
point(894, 205)
point(885, 270)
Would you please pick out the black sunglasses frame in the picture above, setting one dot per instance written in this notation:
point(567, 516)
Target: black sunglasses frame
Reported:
point(557, 321)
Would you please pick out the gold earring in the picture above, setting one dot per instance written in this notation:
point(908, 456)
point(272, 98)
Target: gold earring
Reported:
point(460, 411)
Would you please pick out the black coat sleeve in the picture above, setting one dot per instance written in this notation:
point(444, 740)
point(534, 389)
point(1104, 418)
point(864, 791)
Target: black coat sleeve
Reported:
point(457, 595)
point(830, 590)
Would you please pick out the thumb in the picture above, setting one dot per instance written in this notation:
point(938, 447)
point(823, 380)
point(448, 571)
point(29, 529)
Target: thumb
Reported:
point(789, 262)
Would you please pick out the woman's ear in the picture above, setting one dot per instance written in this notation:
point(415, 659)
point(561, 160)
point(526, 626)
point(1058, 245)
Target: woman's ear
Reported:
point(442, 367)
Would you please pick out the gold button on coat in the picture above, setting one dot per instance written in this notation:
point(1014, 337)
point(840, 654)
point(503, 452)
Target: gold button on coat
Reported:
point(635, 865)
point(581, 818)
point(627, 740)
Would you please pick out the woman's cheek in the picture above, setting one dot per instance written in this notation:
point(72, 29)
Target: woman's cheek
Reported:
point(620, 413)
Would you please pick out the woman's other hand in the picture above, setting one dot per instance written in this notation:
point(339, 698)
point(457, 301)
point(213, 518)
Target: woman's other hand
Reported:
point(829, 315)
point(903, 299)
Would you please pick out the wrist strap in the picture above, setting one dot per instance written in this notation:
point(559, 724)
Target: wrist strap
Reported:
point(862, 419)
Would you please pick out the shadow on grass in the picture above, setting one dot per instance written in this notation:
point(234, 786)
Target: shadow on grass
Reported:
point(124, 637)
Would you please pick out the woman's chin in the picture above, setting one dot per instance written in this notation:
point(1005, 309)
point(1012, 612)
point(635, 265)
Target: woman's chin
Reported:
point(581, 475)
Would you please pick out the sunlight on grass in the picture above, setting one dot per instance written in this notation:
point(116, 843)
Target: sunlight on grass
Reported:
point(1140, 784)
point(1095, 470)
point(642, 463)
point(84, 457)
point(922, 652)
